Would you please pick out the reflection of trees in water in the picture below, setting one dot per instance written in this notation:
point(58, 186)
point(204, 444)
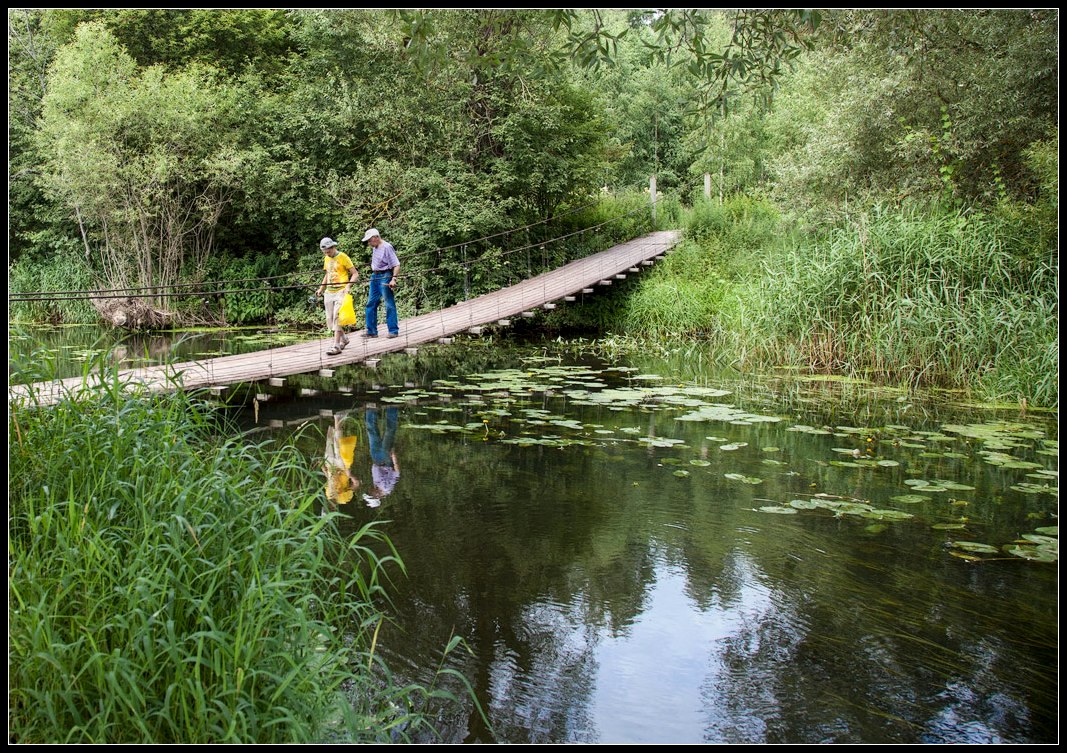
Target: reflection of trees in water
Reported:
point(537, 563)
point(854, 652)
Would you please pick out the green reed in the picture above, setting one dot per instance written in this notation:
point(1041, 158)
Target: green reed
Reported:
point(925, 296)
point(170, 585)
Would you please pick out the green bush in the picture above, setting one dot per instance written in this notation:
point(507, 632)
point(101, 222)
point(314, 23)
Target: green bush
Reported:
point(33, 273)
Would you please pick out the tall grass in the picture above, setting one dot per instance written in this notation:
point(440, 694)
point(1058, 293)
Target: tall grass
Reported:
point(171, 586)
point(692, 292)
point(922, 295)
point(935, 298)
point(33, 274)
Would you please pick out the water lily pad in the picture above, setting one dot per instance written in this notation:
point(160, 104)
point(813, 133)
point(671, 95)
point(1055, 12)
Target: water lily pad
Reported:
point(1035, 488)
point(1035, 553)
point(1049, 530)
point(911, 499)
point(699, 462)
point(779, 510)
point(974, 546)
point(726, 413)
point(660, 441)
point(734, 446)
point(948, 526)
point(924, 485)
point(681, 474)
point(888, 463)
point(742, 478)
point(886, 514)
point(953, 485)
point(1044, 540)
point(1008, 461)
point(808, 429)
point(804, 504)
point(771, 449)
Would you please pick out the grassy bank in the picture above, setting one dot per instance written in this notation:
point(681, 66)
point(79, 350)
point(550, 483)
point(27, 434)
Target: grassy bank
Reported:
point(168, 585)
point(927, 296)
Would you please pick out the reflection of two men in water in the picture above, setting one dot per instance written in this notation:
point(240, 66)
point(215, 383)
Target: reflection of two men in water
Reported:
point(341, 442)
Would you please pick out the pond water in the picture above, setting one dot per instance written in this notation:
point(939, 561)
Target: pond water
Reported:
point(638, 552)
point(641, 550)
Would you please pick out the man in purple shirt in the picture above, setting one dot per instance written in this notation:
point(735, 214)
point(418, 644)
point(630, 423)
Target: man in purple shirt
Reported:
point(384, 268)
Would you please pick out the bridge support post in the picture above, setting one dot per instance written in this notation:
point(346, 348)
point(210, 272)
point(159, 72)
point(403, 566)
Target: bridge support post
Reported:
point(652, 196)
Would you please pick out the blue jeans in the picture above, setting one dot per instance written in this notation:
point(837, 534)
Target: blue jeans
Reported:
point(381, 445)
point(378, 291)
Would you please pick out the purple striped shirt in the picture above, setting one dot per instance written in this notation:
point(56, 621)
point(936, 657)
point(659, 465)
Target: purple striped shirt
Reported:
point(383, 258)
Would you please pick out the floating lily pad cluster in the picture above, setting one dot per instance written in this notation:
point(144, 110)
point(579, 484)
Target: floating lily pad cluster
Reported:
point(1041, 546)
point(506, 395)
point(582, 386)
point(839, 506)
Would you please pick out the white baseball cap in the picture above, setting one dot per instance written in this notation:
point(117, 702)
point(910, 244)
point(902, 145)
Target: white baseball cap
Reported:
point(369, 234)
point(327, 243)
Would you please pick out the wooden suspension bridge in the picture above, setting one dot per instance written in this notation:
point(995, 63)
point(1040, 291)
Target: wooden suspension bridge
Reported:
point(545, 291)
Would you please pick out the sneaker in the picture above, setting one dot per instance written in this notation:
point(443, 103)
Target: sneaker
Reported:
point(367, 335)
point(333, 351)
point(394, 334)
point(344, 339)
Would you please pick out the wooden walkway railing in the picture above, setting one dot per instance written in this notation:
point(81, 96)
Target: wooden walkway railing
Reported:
point(567, 283)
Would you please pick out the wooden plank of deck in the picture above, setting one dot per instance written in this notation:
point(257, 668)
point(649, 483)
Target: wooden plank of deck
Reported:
point(569, 280)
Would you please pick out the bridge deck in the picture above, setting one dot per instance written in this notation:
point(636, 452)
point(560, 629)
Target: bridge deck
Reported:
point(311, 356)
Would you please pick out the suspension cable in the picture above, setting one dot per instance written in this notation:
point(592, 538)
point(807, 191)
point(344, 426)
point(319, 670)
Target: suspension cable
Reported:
point(113, 294)
point(32, 296)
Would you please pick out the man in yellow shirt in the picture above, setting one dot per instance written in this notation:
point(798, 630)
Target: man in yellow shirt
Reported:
point(337, 282)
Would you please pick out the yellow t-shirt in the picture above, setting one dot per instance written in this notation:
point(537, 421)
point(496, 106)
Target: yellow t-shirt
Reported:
point(339, 485)
point(347, 447)
point(340, 270)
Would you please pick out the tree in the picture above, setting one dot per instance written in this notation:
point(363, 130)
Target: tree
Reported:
point(145, 161)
